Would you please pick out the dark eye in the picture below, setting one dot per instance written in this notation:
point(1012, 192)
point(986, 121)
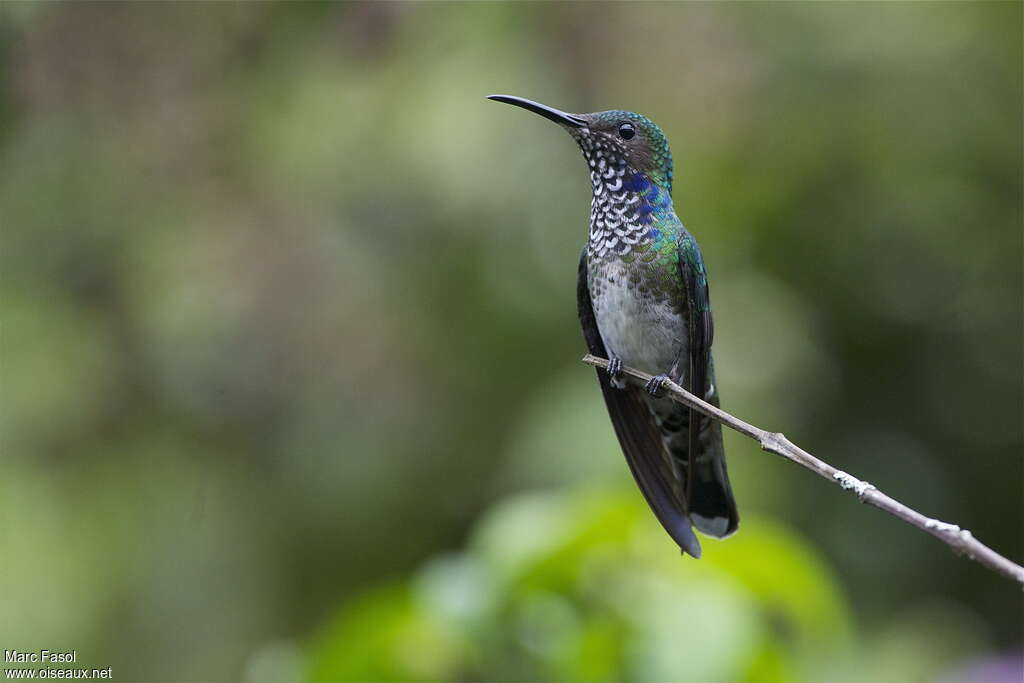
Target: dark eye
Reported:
point(626, 131)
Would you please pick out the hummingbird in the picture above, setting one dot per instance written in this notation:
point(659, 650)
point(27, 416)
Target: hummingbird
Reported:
point(642, 300)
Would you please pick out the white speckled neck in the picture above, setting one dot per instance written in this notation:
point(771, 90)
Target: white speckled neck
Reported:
point(616, 223)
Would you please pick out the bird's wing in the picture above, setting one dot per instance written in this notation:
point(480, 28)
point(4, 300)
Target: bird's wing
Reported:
point(638, 434)
point(701, 331)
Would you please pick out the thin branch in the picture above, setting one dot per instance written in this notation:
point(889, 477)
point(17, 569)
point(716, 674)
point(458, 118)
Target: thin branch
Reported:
point(961, 541)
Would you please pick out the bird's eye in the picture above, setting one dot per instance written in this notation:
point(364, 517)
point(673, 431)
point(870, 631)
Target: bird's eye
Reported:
point(626, 131)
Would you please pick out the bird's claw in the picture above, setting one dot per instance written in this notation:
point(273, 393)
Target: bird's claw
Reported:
point(614, 368)
point(656, 386)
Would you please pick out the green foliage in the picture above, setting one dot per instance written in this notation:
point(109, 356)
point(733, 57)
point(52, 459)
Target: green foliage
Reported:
point(584, 587)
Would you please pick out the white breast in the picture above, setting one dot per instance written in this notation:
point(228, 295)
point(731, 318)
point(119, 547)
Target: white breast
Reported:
point(646, 334)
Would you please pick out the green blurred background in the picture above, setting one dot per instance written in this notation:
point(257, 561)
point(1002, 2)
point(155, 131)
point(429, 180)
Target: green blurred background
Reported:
point(291, 378)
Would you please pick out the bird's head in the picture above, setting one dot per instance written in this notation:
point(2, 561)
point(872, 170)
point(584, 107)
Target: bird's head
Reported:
point(618, 137)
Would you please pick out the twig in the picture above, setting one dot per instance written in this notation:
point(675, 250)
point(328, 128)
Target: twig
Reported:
point(961, 541)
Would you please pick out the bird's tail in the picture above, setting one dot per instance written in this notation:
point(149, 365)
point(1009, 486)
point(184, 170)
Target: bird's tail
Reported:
point(710, 502)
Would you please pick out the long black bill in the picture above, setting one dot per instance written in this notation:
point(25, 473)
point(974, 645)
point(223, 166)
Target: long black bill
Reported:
point(547, 112)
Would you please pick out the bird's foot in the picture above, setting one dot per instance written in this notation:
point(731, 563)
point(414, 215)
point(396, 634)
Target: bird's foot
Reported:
point(614, 371)
point(656, 386)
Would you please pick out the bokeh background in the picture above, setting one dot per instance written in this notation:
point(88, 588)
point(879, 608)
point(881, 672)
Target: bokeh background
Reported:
point(290, 363)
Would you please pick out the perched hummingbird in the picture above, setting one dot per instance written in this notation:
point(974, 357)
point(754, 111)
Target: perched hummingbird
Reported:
point(642, 295)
